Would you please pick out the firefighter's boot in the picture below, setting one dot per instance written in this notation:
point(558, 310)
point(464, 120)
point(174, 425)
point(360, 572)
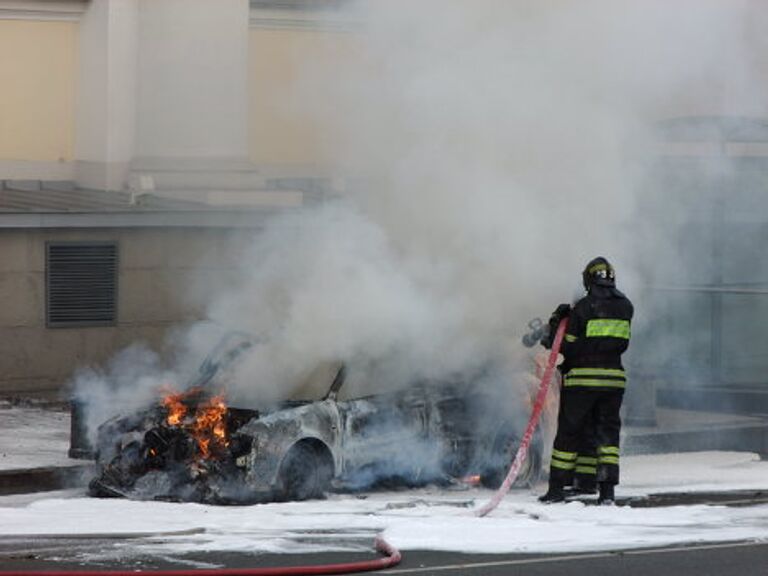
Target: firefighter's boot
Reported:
point(582, 487)
point(606, 497)
point(556, 493)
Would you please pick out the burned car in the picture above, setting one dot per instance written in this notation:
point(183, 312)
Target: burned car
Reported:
point(192, 447)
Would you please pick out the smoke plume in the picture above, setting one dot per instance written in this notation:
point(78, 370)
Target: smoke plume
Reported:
point(489, 149)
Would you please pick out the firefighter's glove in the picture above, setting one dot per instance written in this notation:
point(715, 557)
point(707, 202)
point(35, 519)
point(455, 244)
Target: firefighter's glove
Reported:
point(548, 336)
point(561, 312)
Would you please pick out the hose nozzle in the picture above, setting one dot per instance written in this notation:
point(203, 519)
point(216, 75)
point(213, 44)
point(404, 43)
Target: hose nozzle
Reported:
point(537, 331)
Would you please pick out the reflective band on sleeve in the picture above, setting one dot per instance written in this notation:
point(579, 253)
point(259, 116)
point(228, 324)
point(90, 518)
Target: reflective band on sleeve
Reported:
point(609, 450)
point(586, 470)
point(603, 327)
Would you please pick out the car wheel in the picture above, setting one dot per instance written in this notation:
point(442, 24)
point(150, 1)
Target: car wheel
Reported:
point(305, 473)
point(504, 450)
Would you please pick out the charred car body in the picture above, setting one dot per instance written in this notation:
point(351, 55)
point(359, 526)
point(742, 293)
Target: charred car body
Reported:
point(431, 432)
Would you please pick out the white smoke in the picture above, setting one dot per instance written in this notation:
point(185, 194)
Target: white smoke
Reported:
point(326, 285)
point(132, 379)
point(491, 148)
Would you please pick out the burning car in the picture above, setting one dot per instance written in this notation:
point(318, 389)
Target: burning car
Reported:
point(191, 446)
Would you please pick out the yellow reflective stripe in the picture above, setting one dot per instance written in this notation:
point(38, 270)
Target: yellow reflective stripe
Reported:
point(586, 460)
point(617, 372)
point(563, 465)
point(596, 383)
point(596, 268)
point(571, 338)
point(567, 456)
point(609, 460)
point(586, 470)
point(609, 450)
point(603, 327)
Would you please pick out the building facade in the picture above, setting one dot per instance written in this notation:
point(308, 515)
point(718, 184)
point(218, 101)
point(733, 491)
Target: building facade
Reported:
point(159, 152)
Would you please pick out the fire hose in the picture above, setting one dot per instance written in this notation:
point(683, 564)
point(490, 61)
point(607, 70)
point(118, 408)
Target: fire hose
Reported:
point(391, 558)
point(538, 405)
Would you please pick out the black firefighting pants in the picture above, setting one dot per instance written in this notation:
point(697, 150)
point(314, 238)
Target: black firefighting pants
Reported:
point(584, 410)
point(585, 474)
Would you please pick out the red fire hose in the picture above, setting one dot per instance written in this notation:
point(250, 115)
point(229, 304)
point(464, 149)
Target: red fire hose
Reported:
point(522, 451)
point(392, 558)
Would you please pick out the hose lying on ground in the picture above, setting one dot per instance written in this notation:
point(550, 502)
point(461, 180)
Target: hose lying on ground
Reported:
point(522, 451)
point(392, 558)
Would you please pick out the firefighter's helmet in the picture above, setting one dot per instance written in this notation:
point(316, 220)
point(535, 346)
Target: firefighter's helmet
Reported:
point(599, 272)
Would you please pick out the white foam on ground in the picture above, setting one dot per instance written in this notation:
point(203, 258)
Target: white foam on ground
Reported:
point(424, 519)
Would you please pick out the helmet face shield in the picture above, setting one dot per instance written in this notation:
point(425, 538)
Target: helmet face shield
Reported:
point(598, 272)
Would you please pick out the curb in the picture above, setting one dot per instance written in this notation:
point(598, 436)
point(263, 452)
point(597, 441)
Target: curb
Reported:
point(44, 479)
point(749, 437)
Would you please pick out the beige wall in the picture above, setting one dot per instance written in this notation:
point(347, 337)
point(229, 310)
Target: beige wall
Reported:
point(166, 277)
point(38, 63)
point(39, 69)
point(192, 89)
point(280, 132)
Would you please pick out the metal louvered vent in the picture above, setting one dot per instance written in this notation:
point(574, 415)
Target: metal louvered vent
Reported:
point(81, 284)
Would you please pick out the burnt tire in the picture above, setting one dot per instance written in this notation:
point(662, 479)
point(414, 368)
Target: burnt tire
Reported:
point(305, 473)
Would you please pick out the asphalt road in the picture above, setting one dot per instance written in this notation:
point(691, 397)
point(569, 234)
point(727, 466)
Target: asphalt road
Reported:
point(725, 559)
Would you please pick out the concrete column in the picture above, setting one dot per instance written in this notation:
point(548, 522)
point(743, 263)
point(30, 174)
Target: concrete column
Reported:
point(193, 83)
point(106, 95)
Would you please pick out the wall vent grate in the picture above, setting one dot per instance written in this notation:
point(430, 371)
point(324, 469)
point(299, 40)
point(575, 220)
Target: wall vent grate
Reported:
point(81, 284)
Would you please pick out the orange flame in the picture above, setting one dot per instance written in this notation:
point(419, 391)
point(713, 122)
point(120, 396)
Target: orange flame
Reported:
point(207, 425)
point(176, 409)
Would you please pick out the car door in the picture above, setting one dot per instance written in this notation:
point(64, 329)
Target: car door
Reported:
point(382, 437)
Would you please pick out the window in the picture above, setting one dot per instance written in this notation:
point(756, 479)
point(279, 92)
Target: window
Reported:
point(81, 284)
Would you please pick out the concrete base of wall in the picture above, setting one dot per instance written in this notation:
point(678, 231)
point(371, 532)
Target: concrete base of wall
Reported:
point(31, 170)
point(736, 399)
point(693, 431)
point(101, 175)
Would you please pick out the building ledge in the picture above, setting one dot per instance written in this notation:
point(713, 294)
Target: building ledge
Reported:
point(326, 15)
point(56, 10)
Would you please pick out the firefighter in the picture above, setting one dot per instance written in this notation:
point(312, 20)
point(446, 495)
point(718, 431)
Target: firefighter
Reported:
point(593, 385)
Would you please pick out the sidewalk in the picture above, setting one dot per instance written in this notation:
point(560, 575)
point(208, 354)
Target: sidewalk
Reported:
point(35, 440)
point(695, 431)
